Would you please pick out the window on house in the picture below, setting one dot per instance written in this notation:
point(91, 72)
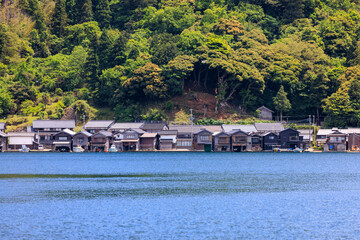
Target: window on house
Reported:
point(255, 140)
point(223, 139)
point(240, 138)
point(271, 137)
point(63, 138)
point(204, 138)
point(132, 136)
point(80, 140)
point(184, 144)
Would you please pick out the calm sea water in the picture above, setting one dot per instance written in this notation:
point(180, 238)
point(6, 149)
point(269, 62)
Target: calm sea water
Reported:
point(179, 196)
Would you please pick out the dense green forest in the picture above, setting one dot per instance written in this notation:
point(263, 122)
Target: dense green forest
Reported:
point(68, 58)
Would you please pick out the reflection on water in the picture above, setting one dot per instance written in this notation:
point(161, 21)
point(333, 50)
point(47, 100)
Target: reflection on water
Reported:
point(179, 195)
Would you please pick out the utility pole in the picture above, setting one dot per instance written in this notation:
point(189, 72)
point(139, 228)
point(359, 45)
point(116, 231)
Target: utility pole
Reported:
point(192, 124)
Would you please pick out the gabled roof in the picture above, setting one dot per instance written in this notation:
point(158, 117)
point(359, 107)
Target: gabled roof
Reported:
point(186, 128)
point(244, 128)
point(84, 133)
point(265, 127)
point(153, 126)
point(265, 108)
point(203, 130)
point(149, 135)
point(98, 124)
point(67, 131)
point(213, 128)
point(221, 133)
point(54, 124)
point(324, 132)
point(2, 126)
point(104, 133)
point(305, 131)
point(235, 131)
point(289, 129)
point(137, 130)
point(126, 125)
point(269, 133)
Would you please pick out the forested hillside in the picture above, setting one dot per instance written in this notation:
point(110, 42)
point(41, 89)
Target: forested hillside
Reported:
point(68, 58)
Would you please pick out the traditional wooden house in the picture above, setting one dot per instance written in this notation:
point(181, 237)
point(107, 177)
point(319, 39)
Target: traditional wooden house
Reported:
point(307, 135)
point(45, 130)
point(154, 127)
point(265, 113)
point(101, 141)
point(354, 142)
point(270, 141)
point(63, 141)
point(3, 141)
point(95, 126)
point(185, 135)
point(240, 141)
point(168, 139)
point(221, 142)
point(321, 136)
point(122, 126)
point(256, 142)
point(19, 139)
point(290, 139)
point(82, 139)
point(131, 140)
point(203, 140)
point(335, 141)
point(149, 141)
point(262, 128)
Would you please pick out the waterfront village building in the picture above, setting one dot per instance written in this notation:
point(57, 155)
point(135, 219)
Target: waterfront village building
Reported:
point(222, 142)
point(19, 139)
point(290, 139)
point(185, 135)
point(167, 139)
point(240, 141)
point(270, 141)
point(63, 141)
point(203, 140)
point(95, 126)
point(82, 139)
point(100, 141)
point(131, 140)
point(335, 141)
point(265, 113)
point(46, 129)
point(3, 141)
point(149, 141)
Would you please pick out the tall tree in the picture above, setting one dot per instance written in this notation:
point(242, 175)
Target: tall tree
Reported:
point(102, 13)
point(60, 18)
point(92, 64)
point(281, 102)
point(118, 56)
point(86, 13)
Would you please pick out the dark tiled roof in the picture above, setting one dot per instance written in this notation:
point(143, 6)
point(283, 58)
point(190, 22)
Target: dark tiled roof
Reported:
point(54, 124)
point(244, 128)
point(98, 124)
point(104, 133)
point(126, 125)
point(236, 131)
point(264, 127)
point(153, 126)
point(265, 108)
point(168, 132)
point(186, 128)
point(84, 133)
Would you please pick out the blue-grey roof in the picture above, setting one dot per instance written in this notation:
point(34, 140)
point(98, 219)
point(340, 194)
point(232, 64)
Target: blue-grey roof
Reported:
point(245, 128)
point(126, 125)
point(98, 124)
point(186, 128)
point(54, 124)
point(265, 127)
point(84, 133)
point(104, 133)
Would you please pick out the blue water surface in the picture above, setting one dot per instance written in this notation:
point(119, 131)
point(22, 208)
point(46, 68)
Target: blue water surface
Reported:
point(179, 196)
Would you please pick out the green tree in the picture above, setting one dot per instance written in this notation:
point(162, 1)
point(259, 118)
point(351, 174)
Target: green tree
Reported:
point(59, 18)
point(281, 102)
point(102, 13)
